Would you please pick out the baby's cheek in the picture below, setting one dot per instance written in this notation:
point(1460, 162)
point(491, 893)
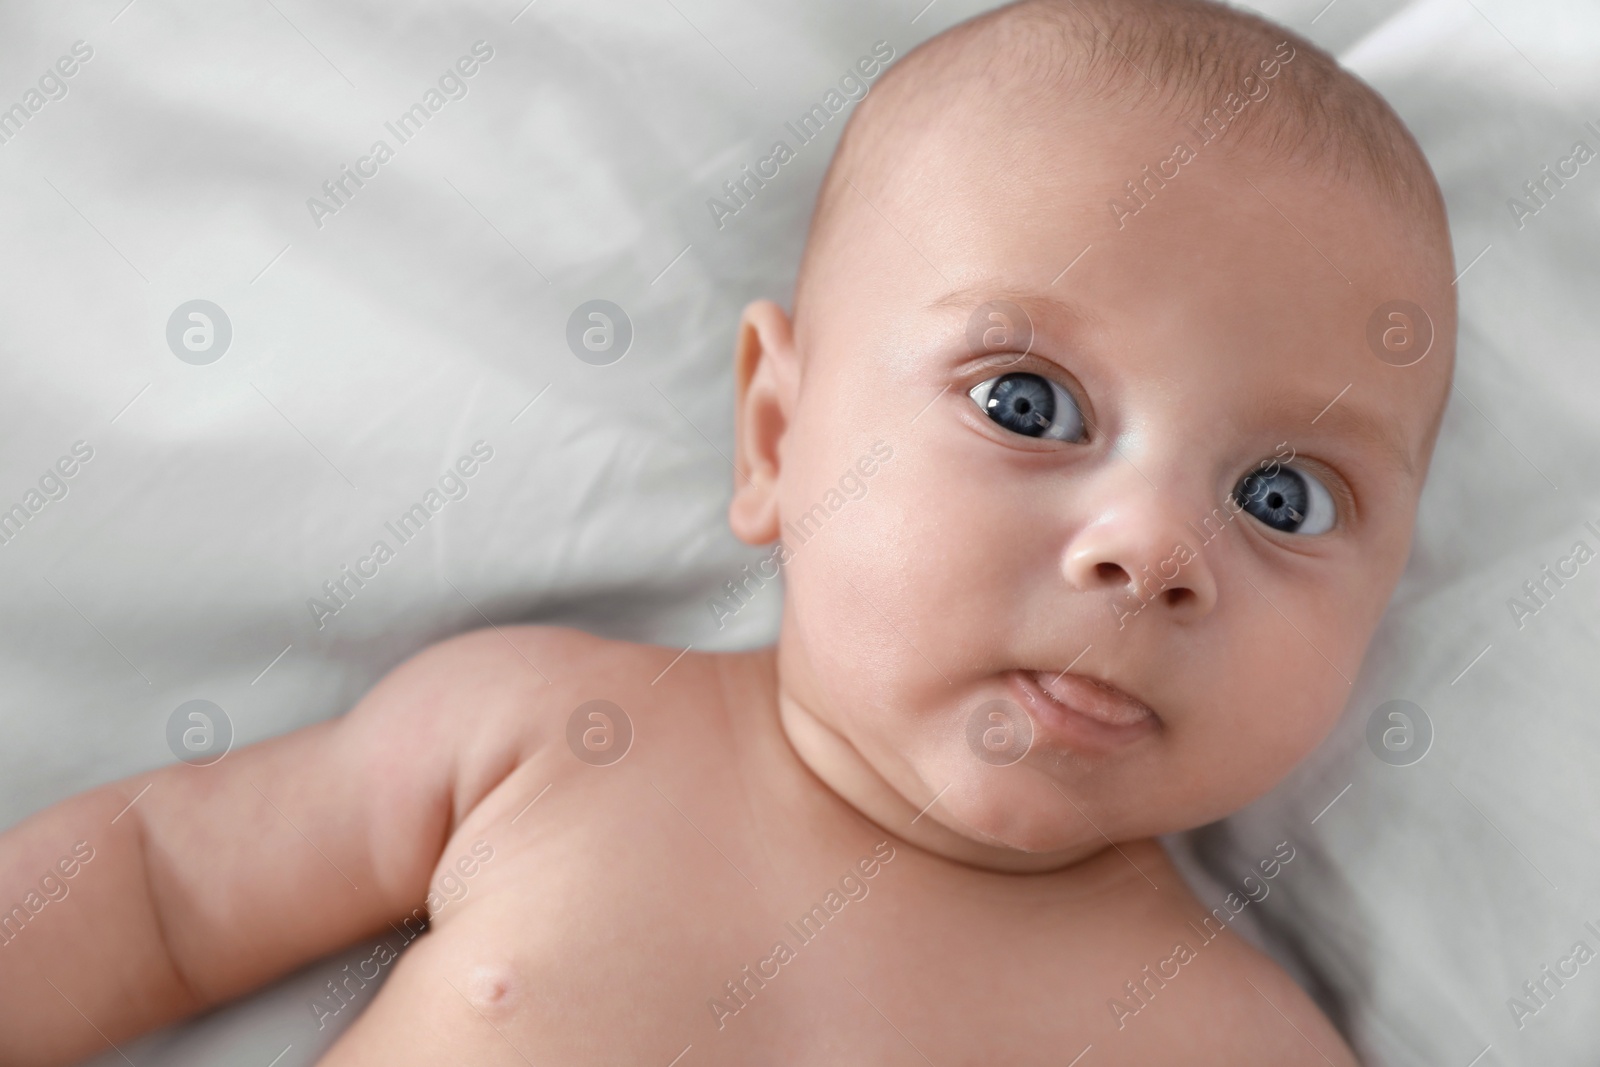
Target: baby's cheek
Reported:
point(1285, 685)
point(869, 596)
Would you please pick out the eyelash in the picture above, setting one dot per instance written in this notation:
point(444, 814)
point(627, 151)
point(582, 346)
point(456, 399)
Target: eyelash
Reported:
point(1030, 364)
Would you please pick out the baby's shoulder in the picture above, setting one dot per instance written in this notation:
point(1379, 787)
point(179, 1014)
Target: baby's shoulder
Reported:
point(1194, 990)
point(1249, 1008)
point(507, 672)
point(529, 658)
point(508, 694)
point(461, 717)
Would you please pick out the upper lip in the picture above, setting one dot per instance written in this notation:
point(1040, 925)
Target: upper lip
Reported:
point(1095, 698)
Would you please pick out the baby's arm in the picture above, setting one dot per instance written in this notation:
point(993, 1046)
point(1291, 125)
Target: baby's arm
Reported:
point(218, 879)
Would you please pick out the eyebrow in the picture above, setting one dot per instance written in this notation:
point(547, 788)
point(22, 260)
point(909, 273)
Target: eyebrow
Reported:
point(975, 297)
point(1355, 422)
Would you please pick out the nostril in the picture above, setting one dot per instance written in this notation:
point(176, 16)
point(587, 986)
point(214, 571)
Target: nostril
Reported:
point(1179, 596)
point(1111, 572)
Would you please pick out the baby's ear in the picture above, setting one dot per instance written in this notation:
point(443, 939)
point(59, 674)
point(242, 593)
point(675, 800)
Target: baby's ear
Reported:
point(766, 379)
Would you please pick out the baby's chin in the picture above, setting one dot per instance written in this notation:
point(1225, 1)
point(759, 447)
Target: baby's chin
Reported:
point(1060, 805)
point(1025, 813)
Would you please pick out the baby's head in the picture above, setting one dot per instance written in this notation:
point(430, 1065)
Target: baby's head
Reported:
point(1120, 344)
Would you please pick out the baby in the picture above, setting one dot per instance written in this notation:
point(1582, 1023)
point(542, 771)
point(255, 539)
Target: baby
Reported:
point(1133, 320)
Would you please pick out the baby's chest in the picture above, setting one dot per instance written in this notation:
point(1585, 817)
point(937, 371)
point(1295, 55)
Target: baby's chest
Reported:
point(630, 950)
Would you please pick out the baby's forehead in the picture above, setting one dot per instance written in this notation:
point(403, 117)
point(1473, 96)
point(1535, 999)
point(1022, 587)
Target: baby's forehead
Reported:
point(1048, 81)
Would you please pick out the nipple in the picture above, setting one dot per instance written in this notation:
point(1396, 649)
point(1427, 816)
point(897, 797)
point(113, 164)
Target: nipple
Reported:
point(491, 988)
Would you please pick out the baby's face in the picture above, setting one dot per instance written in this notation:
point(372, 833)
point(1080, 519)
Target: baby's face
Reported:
point(1084, 502)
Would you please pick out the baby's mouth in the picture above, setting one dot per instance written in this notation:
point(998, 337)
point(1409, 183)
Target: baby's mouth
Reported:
point(1096, 699)
point(1085, 712)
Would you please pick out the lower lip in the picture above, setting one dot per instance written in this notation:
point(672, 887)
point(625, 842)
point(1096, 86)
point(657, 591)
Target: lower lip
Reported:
point(1072, 728)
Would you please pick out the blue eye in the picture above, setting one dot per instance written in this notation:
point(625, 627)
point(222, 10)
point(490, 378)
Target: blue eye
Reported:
point(1288, 499)
point(1030, 405)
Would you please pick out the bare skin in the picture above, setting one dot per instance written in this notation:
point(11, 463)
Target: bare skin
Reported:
point(997, 924)
point(617, 906)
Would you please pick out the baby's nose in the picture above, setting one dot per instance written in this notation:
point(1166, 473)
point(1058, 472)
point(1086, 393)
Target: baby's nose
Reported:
point(1137, 555)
